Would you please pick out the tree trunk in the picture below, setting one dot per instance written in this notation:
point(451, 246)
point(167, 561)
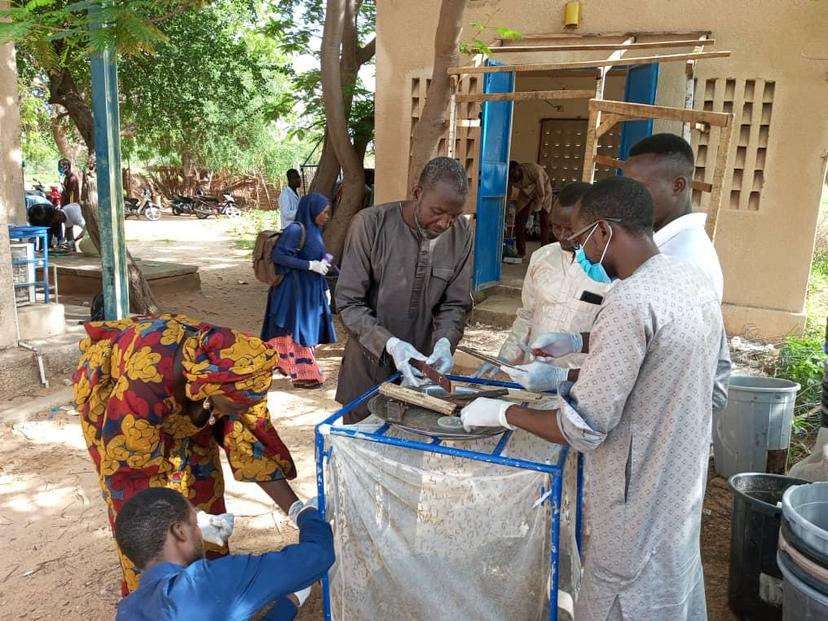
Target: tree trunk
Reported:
point(141, 299)
point(339, 16)
point(432, 125)
point(59, 134)
point(324, 180)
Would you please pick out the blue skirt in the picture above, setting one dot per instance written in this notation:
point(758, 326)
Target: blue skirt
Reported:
point(298, 307)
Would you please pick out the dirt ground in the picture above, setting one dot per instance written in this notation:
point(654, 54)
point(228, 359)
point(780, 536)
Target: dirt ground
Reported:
point(58, 560)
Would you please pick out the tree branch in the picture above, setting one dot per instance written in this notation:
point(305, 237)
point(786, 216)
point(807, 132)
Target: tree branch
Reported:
point(367, 51)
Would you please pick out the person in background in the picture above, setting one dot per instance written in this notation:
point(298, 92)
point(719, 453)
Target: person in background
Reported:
point(71, 183)
point(159, 531)
point(404, 286)
point(298, 315)
point(70, 216)
point(557, 295)
point(639, 410)
point(44, 215)
point(289, 198)
point(157, 397)
point(534, 198)
point(664, 164)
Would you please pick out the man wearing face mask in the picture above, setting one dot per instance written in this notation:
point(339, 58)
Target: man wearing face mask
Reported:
point(71, 184)
point(404, 287)
point(557, 295)
point(640, 412)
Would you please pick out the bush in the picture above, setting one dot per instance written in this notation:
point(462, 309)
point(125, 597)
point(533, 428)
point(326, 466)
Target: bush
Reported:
point(251, 224)
point(801, 361)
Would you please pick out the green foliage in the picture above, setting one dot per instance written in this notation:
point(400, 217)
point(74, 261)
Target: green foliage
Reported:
point(816, 304)
point(297, 27)
point(130, 26)
point(35, 128)
point(801, 361)
point(251, 224)
point(476, 45)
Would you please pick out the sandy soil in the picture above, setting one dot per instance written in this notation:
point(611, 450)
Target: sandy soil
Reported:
point(58, 560)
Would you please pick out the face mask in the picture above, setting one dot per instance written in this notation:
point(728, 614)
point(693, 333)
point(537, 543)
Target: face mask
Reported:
point(61, 170)
point(595, 271)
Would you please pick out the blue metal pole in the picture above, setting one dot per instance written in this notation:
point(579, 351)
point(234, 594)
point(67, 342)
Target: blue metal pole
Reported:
point(114, 279)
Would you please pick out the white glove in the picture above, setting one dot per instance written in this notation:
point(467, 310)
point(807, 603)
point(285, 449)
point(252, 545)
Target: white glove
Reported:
point(215, 528)
point(402, 352)
point(320, 267)
point(486, 370)
point(485, 412)
point(298, 506)
point(441, 358)
point(557, 344)
point(537, 376)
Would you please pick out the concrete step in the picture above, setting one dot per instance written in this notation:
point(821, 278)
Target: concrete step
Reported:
point(497, 310)
point(505, 289)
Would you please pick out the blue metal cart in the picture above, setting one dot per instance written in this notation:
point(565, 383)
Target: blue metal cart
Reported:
point(34, 233)
point(555, 470)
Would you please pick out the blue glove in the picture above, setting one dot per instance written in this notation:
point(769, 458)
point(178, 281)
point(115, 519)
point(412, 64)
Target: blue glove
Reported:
point(402, 352)
point(441, 358)
point(557, 344)
point(537, 376)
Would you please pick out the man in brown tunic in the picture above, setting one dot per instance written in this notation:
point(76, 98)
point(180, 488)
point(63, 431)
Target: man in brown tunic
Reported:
point(404, 287)
point(534, 197)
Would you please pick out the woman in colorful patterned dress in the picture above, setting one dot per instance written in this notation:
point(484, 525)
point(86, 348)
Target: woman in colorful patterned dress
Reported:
point(158, 395)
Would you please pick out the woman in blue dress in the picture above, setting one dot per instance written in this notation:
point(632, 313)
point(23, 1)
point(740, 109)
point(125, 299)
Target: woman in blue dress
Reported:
point(298, 315)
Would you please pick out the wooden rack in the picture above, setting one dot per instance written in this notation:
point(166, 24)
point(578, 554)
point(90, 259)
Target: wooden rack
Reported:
point(603, 115)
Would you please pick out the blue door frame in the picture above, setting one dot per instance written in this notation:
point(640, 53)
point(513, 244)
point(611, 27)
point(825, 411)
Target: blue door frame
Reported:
point(640, 87)
point(496, 132)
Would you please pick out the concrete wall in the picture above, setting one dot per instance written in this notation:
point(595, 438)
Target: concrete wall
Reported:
point(11, 186)
point(765, 253)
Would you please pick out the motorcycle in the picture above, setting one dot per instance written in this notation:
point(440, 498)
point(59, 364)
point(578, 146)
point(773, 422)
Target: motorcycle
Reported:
point(182, 205)
point(206, 206)
point(144, 206)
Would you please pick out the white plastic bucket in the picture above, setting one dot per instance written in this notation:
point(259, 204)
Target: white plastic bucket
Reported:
point(757, 419)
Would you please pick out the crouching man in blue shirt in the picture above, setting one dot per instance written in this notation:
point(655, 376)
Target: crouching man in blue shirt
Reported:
point(158, 531)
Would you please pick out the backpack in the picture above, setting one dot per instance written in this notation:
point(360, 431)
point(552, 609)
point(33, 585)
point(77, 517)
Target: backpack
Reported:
point(263, 267)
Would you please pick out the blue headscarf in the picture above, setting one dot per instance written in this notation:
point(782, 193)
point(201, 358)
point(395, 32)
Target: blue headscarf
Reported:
point(310, 206)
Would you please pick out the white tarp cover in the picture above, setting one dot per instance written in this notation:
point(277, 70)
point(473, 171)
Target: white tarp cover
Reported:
point(420, 535)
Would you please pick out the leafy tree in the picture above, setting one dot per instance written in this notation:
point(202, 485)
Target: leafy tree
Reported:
point(333, 97)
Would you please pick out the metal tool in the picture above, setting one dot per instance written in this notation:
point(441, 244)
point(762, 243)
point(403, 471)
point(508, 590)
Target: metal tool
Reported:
point(431, 373)
point(485, 357)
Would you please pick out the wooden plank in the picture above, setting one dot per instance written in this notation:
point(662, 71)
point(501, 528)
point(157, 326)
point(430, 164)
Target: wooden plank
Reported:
point(690, 85)
point(643, 60)
point(585, 47)
point(635, 111)
point(527, 95)
point(719, 171)
point(684, 34)
point(414, 397)
point(606, 160)
point(590, 146)
point(452, 133)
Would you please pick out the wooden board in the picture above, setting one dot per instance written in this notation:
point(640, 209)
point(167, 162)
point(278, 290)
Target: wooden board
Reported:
point(585, 47)
point(643, 60)
point(633, 111)
point(605, 160)
point(528, 95)
point(407, 395)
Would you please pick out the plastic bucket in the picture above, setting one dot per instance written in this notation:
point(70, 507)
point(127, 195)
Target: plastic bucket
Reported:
point(756, 420)
point(755, 580)
point(800, 602)
point(806, 511)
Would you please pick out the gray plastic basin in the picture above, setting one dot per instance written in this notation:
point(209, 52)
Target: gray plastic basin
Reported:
point(806, 509)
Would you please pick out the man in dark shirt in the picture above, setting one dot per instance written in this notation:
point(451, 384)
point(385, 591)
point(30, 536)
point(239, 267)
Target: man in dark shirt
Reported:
point(158, 530)
point(71, 184)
